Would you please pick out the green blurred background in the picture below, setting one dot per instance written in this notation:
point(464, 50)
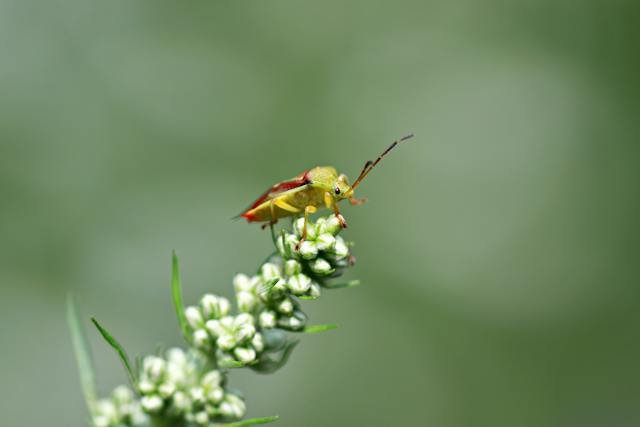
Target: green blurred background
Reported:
point(498, 252)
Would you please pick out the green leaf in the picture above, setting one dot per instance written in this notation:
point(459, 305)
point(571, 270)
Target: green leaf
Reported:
point(315, 329)
point(251, 422)
point(349, 284)
point(83, 354)
point(176, 291)
point(119, 349)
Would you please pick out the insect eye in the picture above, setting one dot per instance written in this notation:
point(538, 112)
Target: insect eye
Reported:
point(337, 190)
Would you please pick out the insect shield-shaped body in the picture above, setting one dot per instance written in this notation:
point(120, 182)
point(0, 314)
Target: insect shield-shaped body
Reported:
point(310, 190)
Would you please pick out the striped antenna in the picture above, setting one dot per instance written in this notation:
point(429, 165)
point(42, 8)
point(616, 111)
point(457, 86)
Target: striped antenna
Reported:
point(372, 163)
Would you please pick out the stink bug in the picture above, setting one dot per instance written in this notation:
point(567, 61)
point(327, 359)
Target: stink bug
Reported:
point(308, 191)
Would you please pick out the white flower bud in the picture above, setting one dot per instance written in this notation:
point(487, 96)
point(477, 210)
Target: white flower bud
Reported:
point(209, 304)
point(215, 328)
point(201, 338)
point(325, 241)
point(314, 291)
point(298, 226)
point(176, 356)
point(138, 417)
point(122, 395)
point(245, 355)
point(151, 403)
point(286, 306)
point(292, 267)
point(226, 342)
point(211, 379)
point(241, 282)
point(215, 395)
point(201, 418)
point(246, 301)
point(194, 317)
point(127, 409)
point(238, 407)
point(181, 401)
point(245, 331)
point(320, 266)
point(154, 367)
point(146, 387)
point(255, 281)
point(243, 319)
point(267, 319)
point(101, 421)
point(227, 410)
point(308, 250)
point(332, 225)
point(176, 373)
point(257, 342)
point(214, 307)
point(299, 284)
point(165, 390)
point(295, 323)
point(340, 249)
point(290, 243)
point(197, 394)
point(224, 306)
point(269, 271)
point(227, 322)
point(279, 287)
point(107, 409)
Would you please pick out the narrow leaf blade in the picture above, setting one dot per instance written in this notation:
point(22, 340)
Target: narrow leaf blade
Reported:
point(252, 422)
point(83, 354)
point(176, 291)
point(349, 284)
point(119, 349)
point(315, 329)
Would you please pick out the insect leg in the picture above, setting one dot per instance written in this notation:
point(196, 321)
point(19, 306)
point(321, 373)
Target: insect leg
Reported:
point(308, 210)
point(355, 201)
point(338, 215)
point(273, 219)
point(328, 200)
point(284, 205)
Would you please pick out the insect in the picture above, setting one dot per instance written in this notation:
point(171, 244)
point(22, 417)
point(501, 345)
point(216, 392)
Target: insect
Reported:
point(308, 191)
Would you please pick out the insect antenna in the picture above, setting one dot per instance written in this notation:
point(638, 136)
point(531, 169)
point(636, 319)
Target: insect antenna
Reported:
point(370, 164)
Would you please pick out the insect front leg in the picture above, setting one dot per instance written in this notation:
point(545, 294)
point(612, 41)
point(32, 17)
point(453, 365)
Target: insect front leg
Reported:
point(336, 212)
point(330, 203)
point(354, 201)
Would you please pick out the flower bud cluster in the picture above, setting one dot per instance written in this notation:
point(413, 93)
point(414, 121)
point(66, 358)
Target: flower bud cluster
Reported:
point(210, 402)
point(180, 386)
point(268, 295)
point(322, 254)
point(121, 409)
point(233, 337)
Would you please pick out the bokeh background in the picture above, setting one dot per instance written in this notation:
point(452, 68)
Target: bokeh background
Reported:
point(498, 252)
